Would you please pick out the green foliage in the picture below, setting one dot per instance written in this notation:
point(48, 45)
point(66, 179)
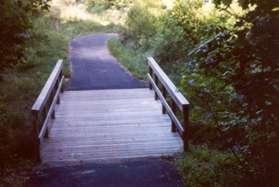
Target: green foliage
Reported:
point(100, 5)
point(15, 29)
point(129, 58)
point(210, 168)
point(19, 87)
point(21, 84)
point(228, 59)
point(140, 25)
point(248, 63)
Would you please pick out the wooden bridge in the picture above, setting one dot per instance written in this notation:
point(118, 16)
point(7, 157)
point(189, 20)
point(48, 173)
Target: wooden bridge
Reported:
point(93, 125)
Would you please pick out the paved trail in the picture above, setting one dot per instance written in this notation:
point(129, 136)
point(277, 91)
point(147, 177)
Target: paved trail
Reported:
point(93, 67)
point(132, 173)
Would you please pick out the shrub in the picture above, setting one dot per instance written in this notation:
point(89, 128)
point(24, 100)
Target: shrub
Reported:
point(227, 56)
point(15, 21)
point(210, 168)
point(141, 25)
point(101, 5)
point(245, 61)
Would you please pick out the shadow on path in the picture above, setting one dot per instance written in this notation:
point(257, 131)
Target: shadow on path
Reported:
point(135, 173)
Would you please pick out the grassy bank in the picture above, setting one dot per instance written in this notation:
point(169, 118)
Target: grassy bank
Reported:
point(134, 61)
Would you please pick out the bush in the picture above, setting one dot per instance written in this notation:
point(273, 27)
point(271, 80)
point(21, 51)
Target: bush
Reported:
point(227, 56)
point(245, 62)
point(141, 25)
point(101, 5)
point(15, 21)
point(209, 168)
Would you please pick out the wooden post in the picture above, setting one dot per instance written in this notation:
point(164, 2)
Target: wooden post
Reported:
point(61, 79)
point(186, 127)
point(53, 114)
point(35, 132)
point(151, 74)
point(174, 109)
point(58, 99)
point(156, 82)
point(165, 96)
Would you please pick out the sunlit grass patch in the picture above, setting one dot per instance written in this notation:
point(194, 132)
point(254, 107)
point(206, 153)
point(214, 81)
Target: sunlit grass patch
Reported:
point(134, 61)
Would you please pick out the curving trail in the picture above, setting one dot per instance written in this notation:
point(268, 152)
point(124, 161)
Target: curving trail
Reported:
point(93, 67)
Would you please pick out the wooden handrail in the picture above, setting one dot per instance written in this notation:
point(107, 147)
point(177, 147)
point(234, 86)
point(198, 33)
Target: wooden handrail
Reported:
point(48, 87)
point(44, 107)
point(157, 77)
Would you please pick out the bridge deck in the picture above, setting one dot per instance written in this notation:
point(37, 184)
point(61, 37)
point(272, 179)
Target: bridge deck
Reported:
point(109, 124)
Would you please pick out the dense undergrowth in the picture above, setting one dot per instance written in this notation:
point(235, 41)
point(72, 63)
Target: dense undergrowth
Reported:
point(222, 56)
point(40, 40)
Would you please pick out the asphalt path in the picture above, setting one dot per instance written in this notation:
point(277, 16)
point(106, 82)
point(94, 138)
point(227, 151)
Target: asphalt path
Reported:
point(93, 67)
point(129, 173)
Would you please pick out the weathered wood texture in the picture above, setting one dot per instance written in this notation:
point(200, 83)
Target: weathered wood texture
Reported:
point(44, 107)
point(164, 89)
point(109, 124)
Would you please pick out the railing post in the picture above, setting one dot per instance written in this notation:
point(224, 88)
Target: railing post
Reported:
point(186, 127)
point(35, 133)
point(60, 78)
point(156, 82)
point(58, 100)
point(174, 109)
point(151, 74)
point(164, 92)
point(45, 112)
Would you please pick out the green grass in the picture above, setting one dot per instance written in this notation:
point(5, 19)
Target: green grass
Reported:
point(203, 166)
point(134, 61)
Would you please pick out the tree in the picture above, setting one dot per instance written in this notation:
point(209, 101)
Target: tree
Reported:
point(16, 25)
point(248, 60)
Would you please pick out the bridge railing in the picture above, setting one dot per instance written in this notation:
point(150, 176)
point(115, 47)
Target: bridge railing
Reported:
point(44, 107)
point(166, 91)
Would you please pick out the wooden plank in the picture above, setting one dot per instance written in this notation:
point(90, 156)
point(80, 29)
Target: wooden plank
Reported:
point(92, 126)
point(110, 116)
point(109, 91)
point(48, 87)
point(167, 83)
point(78, 123)
point(107, 106)
point(106, 139)
point(108, 133)
point(117, 94)
point(108, 96)
point(56, 142)
point(113, 132)
point(108, 112)
point(112, 149)
point(110, 145)
point(107, 101)
point(108, 156)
